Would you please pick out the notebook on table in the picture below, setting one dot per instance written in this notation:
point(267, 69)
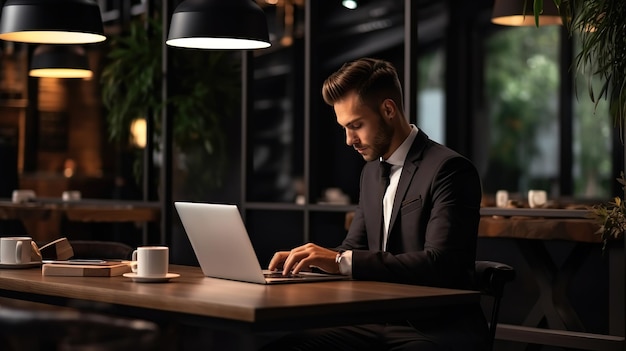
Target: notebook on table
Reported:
point(223, 248)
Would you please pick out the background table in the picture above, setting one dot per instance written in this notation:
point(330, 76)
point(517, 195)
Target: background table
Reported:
point(43, 218)
point(531, 230)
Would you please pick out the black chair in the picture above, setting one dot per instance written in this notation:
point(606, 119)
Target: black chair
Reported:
point(491, 277)
point(95, 249)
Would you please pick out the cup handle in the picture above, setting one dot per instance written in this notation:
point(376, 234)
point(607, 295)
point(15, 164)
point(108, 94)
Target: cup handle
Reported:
point(133, 263)
point(18, 252)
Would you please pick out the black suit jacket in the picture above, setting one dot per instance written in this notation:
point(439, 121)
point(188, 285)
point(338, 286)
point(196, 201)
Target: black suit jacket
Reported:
point(434, 221)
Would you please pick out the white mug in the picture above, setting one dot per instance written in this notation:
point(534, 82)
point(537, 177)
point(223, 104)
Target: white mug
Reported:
point(15, 249)
point(502, 198)
point(537, 198)
point(22, 196)
point(71, 195)
point(150, 261)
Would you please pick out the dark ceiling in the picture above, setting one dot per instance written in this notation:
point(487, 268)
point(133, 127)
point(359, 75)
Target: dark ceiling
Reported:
point(375, 25)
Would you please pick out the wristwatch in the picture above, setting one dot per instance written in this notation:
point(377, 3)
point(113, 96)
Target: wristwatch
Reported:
point(339, 257)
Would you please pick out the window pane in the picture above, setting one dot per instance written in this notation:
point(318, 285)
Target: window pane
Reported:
point(431, 95)
point(592, 140)
point(521, 87)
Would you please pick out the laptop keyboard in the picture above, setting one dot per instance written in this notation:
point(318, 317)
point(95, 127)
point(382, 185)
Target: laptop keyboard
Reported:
point(280, 275)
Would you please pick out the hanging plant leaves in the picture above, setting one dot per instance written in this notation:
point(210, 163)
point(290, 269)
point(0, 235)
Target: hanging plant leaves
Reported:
point(204, 87)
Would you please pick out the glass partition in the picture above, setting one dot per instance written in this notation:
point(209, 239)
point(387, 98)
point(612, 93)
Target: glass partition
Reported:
point(521, 90)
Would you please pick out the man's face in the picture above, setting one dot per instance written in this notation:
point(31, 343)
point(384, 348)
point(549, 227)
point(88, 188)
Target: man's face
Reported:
point(366, 130)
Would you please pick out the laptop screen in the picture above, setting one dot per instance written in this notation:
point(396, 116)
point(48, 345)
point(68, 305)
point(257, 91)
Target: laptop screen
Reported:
point(220, 241)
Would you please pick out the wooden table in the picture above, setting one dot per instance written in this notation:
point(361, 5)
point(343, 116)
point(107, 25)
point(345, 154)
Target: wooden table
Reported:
point(243, 307)
point(42, 218)
point(531, 229)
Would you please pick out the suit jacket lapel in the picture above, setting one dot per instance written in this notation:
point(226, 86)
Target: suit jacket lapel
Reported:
point(410, 167)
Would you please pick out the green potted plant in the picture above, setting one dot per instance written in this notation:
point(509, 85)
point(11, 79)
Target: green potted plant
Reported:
point(600, 25)
point(204, 88)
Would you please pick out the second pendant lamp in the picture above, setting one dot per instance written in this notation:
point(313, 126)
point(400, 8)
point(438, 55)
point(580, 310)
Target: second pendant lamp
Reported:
point(513, 13)
point(60, 61)
point(219, 24)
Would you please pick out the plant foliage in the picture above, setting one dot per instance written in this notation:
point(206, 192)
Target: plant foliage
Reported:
point(611, 217)
point(601, 25)
point(204, 88)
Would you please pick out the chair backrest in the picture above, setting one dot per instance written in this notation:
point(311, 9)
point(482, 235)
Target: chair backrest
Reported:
point(89, 249)
point(491, 277)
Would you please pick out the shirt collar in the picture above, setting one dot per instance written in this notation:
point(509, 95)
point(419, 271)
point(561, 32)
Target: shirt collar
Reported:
point(398, 156)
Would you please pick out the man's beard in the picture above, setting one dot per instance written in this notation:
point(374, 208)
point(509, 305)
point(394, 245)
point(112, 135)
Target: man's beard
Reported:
point(381, 142)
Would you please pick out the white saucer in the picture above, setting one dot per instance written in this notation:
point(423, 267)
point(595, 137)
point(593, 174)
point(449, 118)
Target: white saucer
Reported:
point(139, 279)
point(20, 265)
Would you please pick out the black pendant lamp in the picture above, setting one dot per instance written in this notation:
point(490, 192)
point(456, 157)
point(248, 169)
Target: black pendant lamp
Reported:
point(60, 61)
point(219, 24)
point(513, 13)
point(51, 22)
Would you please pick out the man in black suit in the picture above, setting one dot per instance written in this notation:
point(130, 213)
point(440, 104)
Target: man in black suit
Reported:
point(422, 232)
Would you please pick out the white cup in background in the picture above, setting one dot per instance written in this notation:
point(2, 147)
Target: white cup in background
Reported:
point(71, 195)
point(502, 198)
point(15, 249)
point(537, 198)
point(150, 261)
point(22, 196)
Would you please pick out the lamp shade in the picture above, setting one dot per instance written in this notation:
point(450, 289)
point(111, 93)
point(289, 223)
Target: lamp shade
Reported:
point(219, 24)
point(60, 61)
point(513, 13)
point(51, 22)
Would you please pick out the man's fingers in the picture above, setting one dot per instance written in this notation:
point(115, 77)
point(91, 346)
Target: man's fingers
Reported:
point(278, 259)
point(296, 260)
point(291, 261)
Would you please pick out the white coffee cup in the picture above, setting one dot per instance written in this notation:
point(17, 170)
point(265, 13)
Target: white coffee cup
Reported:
point(537, 198)
point(15, 250)
point(22, 196)
point(71, 195)
point(502, 198)
point(150, 261)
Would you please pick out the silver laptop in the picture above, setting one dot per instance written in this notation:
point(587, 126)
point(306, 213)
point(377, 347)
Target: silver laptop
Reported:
point(223, 247)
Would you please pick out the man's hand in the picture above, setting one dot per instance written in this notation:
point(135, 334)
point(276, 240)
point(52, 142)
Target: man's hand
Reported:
point(304, 257)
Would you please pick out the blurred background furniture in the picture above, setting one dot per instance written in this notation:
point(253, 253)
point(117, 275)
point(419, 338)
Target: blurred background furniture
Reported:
point(44, 219)
point(36, 327)
point(556, 252)
point(97, 249)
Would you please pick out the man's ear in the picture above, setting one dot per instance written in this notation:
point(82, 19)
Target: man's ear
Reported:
point(388, 108)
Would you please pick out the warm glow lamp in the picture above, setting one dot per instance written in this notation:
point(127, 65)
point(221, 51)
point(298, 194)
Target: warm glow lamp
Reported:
point(513, 13)
point(51, 22)
point(59, 61)
point(219, 24)
point(138, 130)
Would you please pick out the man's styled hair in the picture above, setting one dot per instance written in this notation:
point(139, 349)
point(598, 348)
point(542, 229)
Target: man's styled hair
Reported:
point(373, 80)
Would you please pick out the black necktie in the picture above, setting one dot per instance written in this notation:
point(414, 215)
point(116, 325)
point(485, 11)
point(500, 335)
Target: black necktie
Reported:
point(385, 169)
